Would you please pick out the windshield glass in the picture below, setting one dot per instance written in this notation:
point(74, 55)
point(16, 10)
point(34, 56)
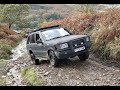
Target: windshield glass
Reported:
point(54, 33)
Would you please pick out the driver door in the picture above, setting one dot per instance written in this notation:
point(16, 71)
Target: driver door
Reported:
point(39, 47)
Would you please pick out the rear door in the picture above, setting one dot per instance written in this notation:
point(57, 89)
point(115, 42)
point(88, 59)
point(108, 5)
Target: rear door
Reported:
point(32, 43)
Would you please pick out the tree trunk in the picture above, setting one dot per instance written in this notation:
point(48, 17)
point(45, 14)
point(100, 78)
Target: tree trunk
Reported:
point(10, 26)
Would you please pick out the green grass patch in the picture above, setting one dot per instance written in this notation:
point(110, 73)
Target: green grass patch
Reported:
point(30, 77)
point(2, 72)
point(5, 51)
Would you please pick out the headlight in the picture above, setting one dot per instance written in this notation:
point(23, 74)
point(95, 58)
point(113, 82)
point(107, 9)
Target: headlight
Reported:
point(87, 39)
point(62, 46)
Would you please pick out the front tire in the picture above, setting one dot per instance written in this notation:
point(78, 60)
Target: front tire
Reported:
point(35, 61)
point(83, 56)
point(53, 59)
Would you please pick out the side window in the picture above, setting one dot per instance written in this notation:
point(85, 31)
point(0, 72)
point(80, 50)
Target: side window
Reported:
point(32, 38)
point(37, 37)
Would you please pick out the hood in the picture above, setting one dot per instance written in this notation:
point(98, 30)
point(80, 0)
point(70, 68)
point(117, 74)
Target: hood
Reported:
point(64, 39)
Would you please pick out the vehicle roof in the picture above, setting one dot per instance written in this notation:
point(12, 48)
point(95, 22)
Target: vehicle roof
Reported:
point(46, 28)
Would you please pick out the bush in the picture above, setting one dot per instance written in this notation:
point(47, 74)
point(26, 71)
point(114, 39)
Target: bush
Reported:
point(6, 48)
point(7, 42)
point(5, 51)
point(3, 35)
point(8, 39)
point(114, 47)
point(4, 55)
point(14, 38)
point(53, 16)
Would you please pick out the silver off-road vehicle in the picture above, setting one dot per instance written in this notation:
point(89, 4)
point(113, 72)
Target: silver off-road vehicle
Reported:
point(55, 43)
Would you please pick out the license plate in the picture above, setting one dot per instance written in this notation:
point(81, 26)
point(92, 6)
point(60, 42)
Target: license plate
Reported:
point(79, 49)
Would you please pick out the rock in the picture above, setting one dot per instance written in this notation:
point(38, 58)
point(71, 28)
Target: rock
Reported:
point(45, 74)
point(40, 72)
point(9, 74)
point(114, 78)
point(59, 75)
point(119, 78)
point(78, 83)
point(9, 82)
point(8, 69)
point(3, 76)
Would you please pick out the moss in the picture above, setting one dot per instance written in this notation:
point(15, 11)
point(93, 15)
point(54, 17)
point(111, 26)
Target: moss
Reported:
point(30, 77)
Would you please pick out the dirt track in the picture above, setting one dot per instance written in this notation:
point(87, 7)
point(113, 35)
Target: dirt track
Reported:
point(71, 73)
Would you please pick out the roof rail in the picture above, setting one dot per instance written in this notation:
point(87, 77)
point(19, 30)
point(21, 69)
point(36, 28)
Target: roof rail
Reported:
point(46, 28)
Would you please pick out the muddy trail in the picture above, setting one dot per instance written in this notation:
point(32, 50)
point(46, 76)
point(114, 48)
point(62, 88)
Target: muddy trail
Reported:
point(72, 72)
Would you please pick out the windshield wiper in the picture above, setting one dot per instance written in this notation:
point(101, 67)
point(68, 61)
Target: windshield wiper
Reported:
point(65, 35)
point(55, 38)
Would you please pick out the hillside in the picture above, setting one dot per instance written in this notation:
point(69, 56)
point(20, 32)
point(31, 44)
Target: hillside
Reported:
point(63, 9)
point(104, 29)
point(8, 39)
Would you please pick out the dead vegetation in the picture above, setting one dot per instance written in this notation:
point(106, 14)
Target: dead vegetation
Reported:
point(104, 29)
point(8, 39)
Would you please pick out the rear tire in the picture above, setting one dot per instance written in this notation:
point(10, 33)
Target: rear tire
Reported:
point(35, 61)
point(53, 59)
point(83, 56)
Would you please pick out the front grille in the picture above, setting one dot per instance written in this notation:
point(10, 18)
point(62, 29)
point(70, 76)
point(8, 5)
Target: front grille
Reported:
point(77, 42)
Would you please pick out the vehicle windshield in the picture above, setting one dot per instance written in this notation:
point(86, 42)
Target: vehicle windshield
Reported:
point(54, 33)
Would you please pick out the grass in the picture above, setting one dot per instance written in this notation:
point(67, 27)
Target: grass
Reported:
point(30, 78)
point(2, 72)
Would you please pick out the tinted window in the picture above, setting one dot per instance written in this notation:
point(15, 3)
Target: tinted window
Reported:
point(37, 37)
point(32, 38)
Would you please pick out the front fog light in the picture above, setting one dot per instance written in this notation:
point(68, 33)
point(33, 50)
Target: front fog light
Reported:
point(87, 39)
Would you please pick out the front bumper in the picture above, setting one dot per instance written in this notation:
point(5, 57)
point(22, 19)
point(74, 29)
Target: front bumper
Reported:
point(71, 53)
point(68, 54)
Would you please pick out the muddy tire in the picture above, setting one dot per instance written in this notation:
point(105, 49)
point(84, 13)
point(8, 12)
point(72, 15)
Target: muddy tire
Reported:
point(53, 59)
point(35, 61)
point(84, 56)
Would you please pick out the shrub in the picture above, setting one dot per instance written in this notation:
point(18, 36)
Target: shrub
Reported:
point(53, 16)
point(5, 51)
point(8, 39)
point(14, 38)
point(7, 42)
point(3, 35)
point(6, 48)
point(4, 55)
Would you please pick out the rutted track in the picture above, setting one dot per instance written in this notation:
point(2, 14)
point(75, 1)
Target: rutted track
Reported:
point(72, 72)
